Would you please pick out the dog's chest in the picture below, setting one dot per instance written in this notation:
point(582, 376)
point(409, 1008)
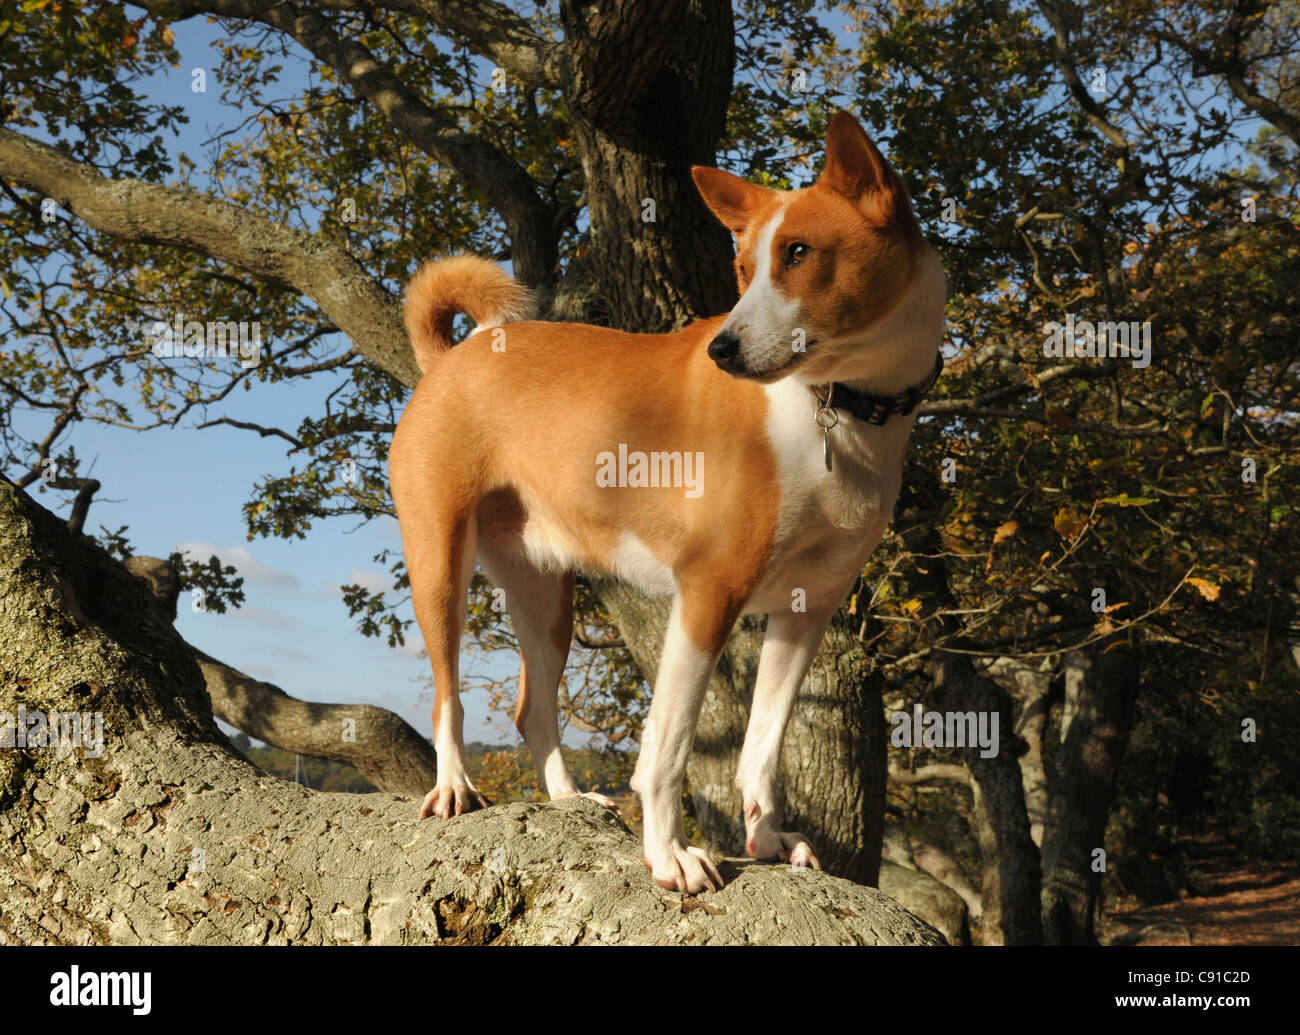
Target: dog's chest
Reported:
point(829, 521)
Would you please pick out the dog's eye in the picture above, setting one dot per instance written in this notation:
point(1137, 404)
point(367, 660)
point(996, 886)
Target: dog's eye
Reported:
point(795, 253)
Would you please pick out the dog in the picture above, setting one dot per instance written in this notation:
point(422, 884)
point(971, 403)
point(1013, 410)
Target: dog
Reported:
point(745, 464)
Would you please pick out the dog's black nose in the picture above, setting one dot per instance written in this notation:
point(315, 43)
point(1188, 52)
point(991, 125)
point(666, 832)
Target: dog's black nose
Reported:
point(724, 347)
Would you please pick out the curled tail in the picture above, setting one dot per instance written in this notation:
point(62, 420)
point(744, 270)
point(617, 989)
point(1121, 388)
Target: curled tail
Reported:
point(441, 288)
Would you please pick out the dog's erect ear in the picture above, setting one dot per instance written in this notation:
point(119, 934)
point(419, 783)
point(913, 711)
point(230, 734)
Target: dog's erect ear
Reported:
point(856, 170)
point(733, 200)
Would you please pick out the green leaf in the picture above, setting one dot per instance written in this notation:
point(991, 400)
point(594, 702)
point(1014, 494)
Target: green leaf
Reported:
point(1129, 501)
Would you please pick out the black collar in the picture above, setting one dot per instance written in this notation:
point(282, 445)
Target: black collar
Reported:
point(876, 409)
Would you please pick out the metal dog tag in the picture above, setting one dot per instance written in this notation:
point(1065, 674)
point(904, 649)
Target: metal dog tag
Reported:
point(826, 418)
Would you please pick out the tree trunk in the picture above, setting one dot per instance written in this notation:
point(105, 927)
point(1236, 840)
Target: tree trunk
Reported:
point(1034, 689)
point(1101, 695)
point(167, 835)
point(1011, 878)
point(648, 95)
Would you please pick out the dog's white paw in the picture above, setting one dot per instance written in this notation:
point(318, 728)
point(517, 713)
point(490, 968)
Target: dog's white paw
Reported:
point(767, 844)
point(682, 867)
point(454, 799)
point(598, 798)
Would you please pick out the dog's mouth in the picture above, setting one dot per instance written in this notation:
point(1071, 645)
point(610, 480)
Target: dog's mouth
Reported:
point(736, 367)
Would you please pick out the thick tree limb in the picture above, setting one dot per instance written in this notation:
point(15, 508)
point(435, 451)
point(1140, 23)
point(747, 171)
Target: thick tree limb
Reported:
point(168, 836)
point(929, 773)
point(944, 868)
point(927, 897)
point(148, 213)
point(383, 746)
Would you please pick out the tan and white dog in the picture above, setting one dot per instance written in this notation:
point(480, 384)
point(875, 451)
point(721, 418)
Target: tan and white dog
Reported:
point(705, 465)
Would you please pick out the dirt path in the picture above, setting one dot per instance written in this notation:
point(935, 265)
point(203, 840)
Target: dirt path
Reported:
point(1230, 903)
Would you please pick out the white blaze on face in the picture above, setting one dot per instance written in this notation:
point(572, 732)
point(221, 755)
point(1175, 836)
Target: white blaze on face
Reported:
point(764, 319)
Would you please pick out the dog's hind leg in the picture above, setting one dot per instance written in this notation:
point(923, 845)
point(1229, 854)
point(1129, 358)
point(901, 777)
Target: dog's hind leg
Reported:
point(540, 605)
point(436, 511)
point(440, 572)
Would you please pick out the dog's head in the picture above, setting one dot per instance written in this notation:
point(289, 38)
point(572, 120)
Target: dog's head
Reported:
point(816, 267)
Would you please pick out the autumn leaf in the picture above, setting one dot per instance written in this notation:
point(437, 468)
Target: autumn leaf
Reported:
point(910, 607)
point(1069, 523)
point(1057, 417)
point(1005, 531)
point(1207, 589)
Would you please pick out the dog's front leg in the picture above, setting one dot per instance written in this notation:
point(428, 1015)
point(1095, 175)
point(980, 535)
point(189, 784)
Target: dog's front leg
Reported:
point(789, 646)
point(697, 630)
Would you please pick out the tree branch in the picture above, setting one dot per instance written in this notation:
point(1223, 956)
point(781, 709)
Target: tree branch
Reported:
point(250, 426)
point(383, 747)
point(487, 28)
point(506, 186)
point(1233, 71)
point(86, 489)
point(1090, 371)
point(149, 213)
point(1055, 14)
point(928, 773)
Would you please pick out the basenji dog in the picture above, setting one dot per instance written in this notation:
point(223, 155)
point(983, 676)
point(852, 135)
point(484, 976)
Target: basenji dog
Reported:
point(745, 464)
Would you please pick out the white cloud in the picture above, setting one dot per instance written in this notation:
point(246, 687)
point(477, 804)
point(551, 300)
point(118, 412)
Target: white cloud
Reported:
point(266, 617)
point(370, 579)
point(290, 652)
point(244, 563)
